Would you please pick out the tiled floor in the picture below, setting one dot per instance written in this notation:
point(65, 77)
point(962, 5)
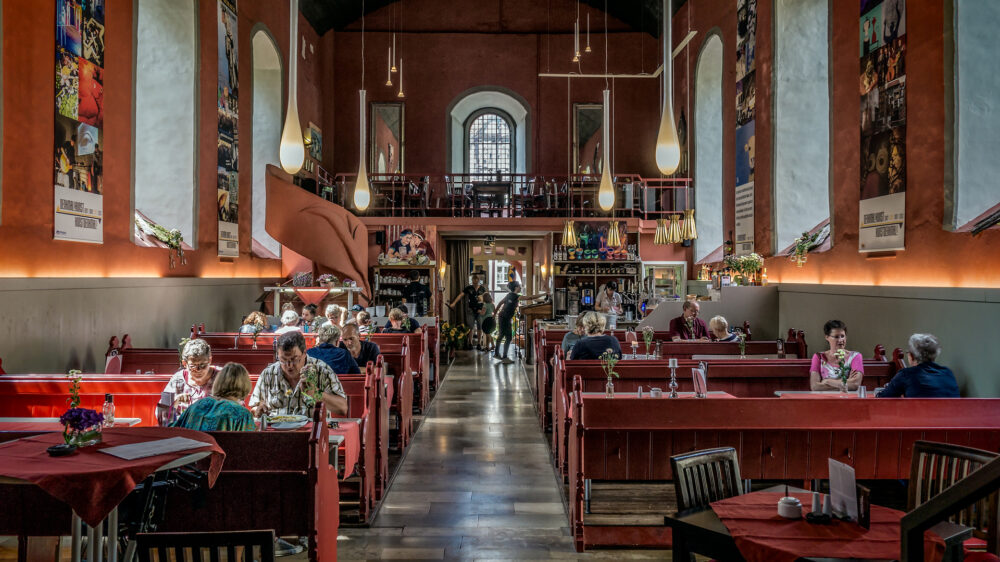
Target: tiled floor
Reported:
point(477, 482)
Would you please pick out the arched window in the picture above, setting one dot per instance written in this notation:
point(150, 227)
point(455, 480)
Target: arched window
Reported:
point(708, 150)
point(489, 143)
point(469, 105)
point(164, 138)
point(267, 123)
point(801, 118)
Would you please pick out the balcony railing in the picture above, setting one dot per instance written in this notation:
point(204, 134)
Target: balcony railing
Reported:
point(511, 195)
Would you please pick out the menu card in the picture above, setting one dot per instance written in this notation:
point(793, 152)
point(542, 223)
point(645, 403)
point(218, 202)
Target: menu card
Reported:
point(843, 490)
point(152, 448)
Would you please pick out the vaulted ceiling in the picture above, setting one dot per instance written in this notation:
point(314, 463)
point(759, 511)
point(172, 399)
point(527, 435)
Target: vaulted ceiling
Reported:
point(635, 15)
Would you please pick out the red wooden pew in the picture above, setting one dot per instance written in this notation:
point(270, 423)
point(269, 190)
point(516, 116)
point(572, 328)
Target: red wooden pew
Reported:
point(128, 359)
point(395, 364)
point(631, 440)
point(417, 361)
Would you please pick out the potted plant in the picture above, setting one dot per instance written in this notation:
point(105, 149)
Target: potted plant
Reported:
point(326, 280)
point(81, 426)
point(803, 244)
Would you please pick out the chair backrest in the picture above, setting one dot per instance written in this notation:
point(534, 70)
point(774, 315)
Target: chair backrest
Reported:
point(936, 466)
point(158, 547)
point(702, 477)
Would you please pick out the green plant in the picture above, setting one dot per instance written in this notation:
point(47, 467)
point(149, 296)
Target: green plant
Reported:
point(309, 384)
point(843, 371)
point(803, 244)
point(608, 361)
point(647, 337)
point(74, 388)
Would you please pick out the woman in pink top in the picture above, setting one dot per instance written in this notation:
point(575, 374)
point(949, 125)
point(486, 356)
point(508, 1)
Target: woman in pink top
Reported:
point(824, 372)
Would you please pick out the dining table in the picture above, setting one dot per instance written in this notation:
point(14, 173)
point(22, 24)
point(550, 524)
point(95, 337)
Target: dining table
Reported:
point(50, 424)
point(747, 527)
point(345, 437)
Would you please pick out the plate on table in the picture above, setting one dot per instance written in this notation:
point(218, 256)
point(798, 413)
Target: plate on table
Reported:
point(287, 422)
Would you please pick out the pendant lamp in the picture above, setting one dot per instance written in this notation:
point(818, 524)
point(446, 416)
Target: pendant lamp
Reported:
point(576, 41)
point(587, 50)
point(392, 57)
point(614, 237)
point(388, 77)
point(400, 94)
point(668, 148)
point(569, 235)
point(660, 238)
point(688, 231)
point(362, 191)
point(292, 149)
point(606, 193)
point(674, 233)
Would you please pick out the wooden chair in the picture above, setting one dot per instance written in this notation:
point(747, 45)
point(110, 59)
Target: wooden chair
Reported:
point(702, 477)
point(937, 466)
point(220, 545)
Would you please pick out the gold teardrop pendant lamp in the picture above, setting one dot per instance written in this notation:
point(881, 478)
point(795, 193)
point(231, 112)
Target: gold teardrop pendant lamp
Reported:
point(688, 230)
point(614, 237)
point(674, 233)
point(660, 238)
point(569, 235)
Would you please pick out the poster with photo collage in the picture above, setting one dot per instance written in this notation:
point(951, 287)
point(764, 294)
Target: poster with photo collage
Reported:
point(882, 86)
point(228, 187)
point(746, 95)
point(78, 148)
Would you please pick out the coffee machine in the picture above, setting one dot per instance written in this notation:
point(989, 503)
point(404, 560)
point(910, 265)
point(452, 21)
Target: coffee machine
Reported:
point(587, 299)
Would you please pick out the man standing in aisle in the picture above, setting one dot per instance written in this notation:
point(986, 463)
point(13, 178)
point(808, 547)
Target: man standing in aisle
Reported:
point(473, 306)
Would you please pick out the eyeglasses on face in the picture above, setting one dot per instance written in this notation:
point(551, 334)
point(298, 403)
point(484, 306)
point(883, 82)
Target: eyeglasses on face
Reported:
point(197, 366)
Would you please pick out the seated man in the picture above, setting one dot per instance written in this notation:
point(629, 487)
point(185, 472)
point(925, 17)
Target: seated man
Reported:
point(279, 391)
point(720, 330)
point(688, 326)
point(326, 350)
point(361, 351)
point(596, 342)
point(923, 378)
point(572, 337)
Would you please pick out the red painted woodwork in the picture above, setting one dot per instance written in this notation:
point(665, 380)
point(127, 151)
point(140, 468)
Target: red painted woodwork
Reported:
point(362, 394)
point(418, 360)
point(631, 439)
point(395, 363)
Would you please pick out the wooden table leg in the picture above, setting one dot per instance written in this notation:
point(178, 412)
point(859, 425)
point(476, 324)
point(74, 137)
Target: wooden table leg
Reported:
point(679, 551)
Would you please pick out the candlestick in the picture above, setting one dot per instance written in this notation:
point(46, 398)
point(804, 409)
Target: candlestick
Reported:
point(673, 379)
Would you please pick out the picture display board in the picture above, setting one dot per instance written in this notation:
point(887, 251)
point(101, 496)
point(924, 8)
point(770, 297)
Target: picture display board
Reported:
point(746, 95)
point(882, 42)
point(228, 185)
point(78, 170)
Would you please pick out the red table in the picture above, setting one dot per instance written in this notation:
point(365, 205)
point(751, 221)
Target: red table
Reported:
point(349, 446)
point(762, 535)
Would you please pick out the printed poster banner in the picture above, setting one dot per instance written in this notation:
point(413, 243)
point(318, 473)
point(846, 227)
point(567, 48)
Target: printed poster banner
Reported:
point(228, 184)
point(78, 167)
point(882, 43)
point(746, 96)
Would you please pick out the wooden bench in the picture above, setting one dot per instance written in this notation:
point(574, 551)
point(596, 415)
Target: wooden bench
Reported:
point(631, 440)
point(745, 378)
point(394, 362)
point(417, 361)
point(128, 359)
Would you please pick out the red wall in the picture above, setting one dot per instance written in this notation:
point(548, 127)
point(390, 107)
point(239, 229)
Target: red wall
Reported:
point(26, 224)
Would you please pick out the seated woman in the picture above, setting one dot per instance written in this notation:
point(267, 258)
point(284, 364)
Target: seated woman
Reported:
point(326, 350)
point(334, 314)
point(824, 371)
point(594, 343)
point(923, 378)
point(194, 381)
point(719, 329)
point(289, 322)
point(399, 323)
point(254, 322)
point(224, 410)
point(365, 324)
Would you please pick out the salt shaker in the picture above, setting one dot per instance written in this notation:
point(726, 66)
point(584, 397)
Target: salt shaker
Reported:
point(817, 503)
point(640, 391)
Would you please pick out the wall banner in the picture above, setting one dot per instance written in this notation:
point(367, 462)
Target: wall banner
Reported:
point(746, 95)
point(78, 143)
point(228, 185)
point(882, 40)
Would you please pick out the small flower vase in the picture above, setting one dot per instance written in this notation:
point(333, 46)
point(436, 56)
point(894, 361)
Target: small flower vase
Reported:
point(82, 438)
point(843, 385)
point(609, 389)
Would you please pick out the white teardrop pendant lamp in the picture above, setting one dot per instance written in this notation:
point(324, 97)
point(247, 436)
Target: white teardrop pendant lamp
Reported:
point(292, 149)
point(606, 193)
point(362, 191)
point(668, 147)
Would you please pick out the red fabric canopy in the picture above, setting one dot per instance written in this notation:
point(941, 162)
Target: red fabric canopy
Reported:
point(310, 295)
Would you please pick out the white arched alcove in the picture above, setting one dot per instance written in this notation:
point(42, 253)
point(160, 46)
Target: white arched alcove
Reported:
point(166, 69)
point(707, 171)
point(470, 103)
point(801, 118)
point(267, 115)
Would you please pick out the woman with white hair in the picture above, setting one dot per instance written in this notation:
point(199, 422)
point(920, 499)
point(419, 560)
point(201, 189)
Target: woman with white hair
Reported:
point(923, 378)
point(194, 381)
point(719, 329)
point(334, 314)
point(289, 322)
point(594, 343)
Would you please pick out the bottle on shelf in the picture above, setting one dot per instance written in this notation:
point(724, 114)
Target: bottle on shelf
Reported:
point(109, 411)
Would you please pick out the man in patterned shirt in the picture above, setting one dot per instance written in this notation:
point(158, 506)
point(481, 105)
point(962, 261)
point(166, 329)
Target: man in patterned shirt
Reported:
point(279, 387)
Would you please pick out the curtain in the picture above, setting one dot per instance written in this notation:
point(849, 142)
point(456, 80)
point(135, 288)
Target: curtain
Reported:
point(458, 276)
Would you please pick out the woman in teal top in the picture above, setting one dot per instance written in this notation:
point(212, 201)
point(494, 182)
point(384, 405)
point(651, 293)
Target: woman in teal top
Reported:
point(224, 409)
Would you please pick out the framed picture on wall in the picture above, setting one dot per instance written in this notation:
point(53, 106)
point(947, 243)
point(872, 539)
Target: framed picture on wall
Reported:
point(386, 145)
point(588, 121)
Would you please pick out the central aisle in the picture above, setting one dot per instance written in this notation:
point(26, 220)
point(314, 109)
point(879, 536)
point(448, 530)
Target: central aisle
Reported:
point(477, 481)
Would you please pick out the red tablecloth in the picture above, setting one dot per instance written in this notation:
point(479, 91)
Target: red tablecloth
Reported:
point(91, 482)
point(762, 535)
point(351, 430)
point(35, 426)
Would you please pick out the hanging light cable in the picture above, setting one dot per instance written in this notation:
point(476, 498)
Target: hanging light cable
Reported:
point(292, 149)
point(362, 191)
point(606, 192)
point(668, 148)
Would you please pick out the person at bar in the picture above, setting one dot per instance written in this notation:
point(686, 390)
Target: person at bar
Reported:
point(194, 381)
point(688, 326)
point(609, 301)
point(326, 350)
point(824, 372)
point(416, 293)
point(719, 328)
point(279, 391)
point(595, 342)
point(923, 378)
point(224, 409)
point(361, 351)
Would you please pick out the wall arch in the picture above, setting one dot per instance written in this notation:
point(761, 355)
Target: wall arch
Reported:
point(476, 99)
point(267, 122)
point(707, 169)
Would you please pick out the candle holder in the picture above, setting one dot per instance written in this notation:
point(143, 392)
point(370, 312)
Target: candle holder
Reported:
point(673, 377)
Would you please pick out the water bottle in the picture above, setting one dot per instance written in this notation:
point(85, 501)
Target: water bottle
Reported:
point(109, 411)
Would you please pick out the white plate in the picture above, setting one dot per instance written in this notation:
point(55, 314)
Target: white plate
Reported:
point(284, 426)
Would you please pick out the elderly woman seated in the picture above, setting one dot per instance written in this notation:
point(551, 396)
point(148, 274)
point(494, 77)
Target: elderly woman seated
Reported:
point(923, 378)
point(594, 343)
point(224, 410)
point(335, 314)
point(719, 329)
point(326, 350)
point(194, 381)
point(289, 322)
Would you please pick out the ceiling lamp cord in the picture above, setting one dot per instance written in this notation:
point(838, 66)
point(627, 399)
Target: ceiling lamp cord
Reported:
point(362, 191)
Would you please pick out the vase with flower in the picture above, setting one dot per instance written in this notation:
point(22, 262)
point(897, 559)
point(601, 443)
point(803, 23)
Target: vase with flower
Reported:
point(81, 426)
point(608, 360)
point(647, 337)
point(843, 370)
